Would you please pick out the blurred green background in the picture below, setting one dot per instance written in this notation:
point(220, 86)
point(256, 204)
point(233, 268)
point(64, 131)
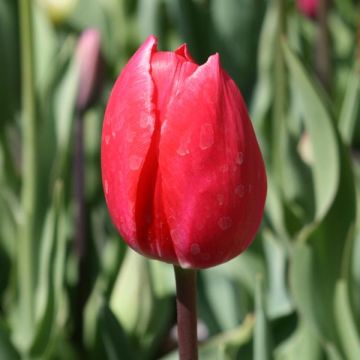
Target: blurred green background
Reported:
point(69, 287)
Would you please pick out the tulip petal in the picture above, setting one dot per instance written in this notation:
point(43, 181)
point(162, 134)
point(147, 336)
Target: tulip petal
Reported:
point(183, 51)
point(213, 176)
point(128, 129)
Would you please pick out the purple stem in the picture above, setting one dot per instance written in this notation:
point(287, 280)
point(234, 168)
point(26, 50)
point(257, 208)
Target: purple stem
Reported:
point(186, 313)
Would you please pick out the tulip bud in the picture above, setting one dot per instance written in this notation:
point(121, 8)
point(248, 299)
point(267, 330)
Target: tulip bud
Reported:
point(182, 172)
point(308, 7)
point(88, 58)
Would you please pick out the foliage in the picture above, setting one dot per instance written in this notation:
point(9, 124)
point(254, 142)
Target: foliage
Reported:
point(294, 294)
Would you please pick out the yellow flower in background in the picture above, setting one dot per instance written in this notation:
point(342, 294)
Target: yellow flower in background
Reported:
point(58, 10)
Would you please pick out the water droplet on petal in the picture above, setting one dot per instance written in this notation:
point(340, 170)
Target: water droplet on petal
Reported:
point(240, 158)
point(107, 139)
point(113, 133)
point(225, 223)
point(106, 187)
point(183, 149)
point(206, 136)
point(240, 190)
point(195, 249)
point(145, 121)
point(220, 199)
point(130, 135)
point(134, 162)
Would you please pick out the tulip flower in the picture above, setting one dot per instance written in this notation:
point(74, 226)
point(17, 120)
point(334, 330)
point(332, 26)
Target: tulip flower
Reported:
point(308, 7)
point(183, 176)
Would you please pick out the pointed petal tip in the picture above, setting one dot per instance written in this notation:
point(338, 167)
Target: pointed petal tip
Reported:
point(150, 42)
point(183, 51)
point(212, 64)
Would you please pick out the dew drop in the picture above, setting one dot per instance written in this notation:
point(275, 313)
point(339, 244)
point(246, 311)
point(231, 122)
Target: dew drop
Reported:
point(240, 190)
point(106, 187)
point(145, 121)
point(220, 199)
point(107, 139)
point(183, 149)
point(240, 158)
point(130, 135)
point(206, 136)
point(225, 223)
point(175, 236)
point(195, 249)
point(113, 133)
point(134, 162)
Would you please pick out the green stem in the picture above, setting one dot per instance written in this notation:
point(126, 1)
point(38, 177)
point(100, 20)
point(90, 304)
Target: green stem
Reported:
point(186, 313)
point(29, 175)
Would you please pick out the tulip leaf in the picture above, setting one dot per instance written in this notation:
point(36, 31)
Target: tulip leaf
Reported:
point(263, 94)
point(65, 100)
point(218, 347)
point(279, 303)
point(113, 337)
point(302, 284)
point(145, 311)
point(51, 272)
point(348, 333)
point(7, 349)
point(302, 344)
point(316, 265)
point(322, 134)
point(262, 341)
point(350, 106)
point(133, 280)
point(231, 284)
point(9, 60)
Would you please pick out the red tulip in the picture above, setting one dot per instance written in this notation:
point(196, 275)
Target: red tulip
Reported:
point(308, 7)
point(182, 172)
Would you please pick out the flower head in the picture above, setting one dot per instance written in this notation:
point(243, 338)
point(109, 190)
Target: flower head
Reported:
point(182, 172)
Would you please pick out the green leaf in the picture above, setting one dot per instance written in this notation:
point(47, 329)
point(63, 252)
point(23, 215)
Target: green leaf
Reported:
point(131, 298)
point(7, 349)
point(301, 281)
point(262, 341)
point(113, 337)
point(143, 313)
point(347, 331)
point(302, 344)
point(231, 284)
point(221, 344)
point(322, 134)
point(263, 94)
point(350, 107)
point(317, 264)
point(279, 302)
point(9, 61)
point(51, 272)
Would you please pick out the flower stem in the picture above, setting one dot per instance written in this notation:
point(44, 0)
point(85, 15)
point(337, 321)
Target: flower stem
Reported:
point(186, 313)
point(29, 182)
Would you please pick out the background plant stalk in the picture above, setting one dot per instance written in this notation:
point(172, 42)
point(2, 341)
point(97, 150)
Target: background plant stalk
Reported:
point(29, 184)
